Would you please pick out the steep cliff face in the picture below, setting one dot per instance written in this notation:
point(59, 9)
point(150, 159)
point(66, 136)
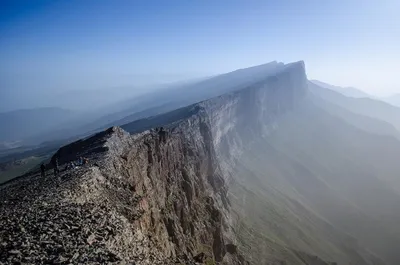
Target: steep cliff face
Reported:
point(143, 198)
point(299, 180)
point(240, 118)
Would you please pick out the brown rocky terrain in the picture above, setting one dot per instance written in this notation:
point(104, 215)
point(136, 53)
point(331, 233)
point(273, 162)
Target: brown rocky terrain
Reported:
point(139, 201)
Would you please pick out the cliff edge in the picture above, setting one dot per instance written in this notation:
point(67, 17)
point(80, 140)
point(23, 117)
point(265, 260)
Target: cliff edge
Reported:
point(150, 197)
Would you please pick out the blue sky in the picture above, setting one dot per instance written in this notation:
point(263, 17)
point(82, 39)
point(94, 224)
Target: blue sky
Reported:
point(61, 45)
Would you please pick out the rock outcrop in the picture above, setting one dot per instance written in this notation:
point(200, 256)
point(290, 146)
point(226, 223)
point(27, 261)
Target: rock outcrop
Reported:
point(139, 200)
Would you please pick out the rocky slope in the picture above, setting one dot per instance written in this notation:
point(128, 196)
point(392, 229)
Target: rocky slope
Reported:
point(140, 200)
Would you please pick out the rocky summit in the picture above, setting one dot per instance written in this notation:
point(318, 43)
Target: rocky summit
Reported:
point(141, 199)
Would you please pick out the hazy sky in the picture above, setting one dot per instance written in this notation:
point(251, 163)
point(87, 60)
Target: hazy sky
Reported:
point(59, 45)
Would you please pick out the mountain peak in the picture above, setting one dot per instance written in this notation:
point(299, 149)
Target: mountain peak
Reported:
point(297, 64)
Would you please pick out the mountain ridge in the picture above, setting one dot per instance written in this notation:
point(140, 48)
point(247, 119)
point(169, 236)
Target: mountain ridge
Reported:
point(241, 166)
point(346, 91)
point(365, 106)
point(186, 137)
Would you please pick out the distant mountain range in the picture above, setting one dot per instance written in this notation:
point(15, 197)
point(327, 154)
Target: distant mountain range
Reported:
point(346, 91)
point(365, 106)
point(357, 93)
